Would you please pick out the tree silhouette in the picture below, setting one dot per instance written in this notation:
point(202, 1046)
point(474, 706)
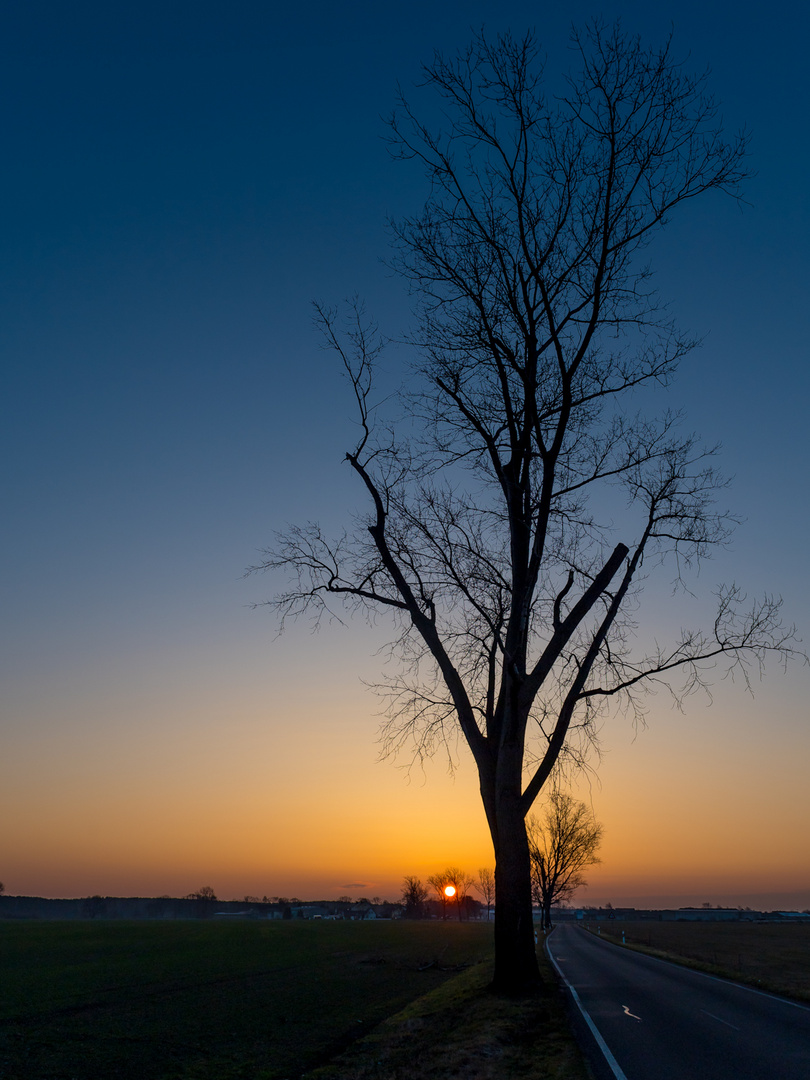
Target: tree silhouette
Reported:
point(439, 882)
point(414, 895)
point(561, 846)
point(461, 882)
point(516, 496)
point(484, 884)
point(205, 893)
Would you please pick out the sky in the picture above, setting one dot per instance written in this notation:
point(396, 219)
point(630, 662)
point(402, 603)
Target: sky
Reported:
point(180, 181)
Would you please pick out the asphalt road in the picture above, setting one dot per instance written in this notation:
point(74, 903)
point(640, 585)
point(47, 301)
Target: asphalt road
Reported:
point(659, 1021)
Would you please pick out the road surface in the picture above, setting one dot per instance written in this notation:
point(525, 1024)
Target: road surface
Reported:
point(660, 1021)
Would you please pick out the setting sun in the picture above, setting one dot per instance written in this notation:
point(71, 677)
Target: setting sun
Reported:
point(449, 891)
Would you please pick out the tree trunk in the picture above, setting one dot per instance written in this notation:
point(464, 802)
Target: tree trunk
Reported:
point(547, 914)
point(516, 970)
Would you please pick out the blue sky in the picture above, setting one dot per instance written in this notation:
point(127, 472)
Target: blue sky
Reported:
point(180, 181)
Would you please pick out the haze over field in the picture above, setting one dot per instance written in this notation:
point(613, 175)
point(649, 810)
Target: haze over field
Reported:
point(178, 186)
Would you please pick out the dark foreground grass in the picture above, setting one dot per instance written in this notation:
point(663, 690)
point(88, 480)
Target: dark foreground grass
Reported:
point(771, 956)
point(462, 1032)
point(234, 1001)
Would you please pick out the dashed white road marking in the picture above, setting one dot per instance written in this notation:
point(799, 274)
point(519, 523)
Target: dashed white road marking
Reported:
point(719, 1019)
point(628, 1013)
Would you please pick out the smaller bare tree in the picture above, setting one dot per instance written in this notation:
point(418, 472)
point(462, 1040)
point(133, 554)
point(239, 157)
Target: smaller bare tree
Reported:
point(414, 896)
point(205, 893)
point(461, 882)
point(484, 884)
point(439, 882)
point(561, 847)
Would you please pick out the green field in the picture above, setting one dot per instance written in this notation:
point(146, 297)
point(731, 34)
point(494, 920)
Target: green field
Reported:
point(771, 956)
point(204, 1000)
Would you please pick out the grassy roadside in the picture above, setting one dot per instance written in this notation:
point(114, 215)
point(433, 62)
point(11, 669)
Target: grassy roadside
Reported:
point(768, 956)
point(459, 1030)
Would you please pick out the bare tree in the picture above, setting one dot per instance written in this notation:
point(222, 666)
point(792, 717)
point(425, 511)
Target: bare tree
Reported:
point(508, 536)
point(205, 893)
point(461, 882)
point(458, 881)
point(414, 895)
point(561, 846)
point(439, 883)
point(484, 884)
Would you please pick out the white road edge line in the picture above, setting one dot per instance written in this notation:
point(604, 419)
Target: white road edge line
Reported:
point(603, 1046)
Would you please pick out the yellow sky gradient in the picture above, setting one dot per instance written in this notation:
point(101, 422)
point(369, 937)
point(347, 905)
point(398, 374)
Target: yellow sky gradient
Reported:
point(282, 794)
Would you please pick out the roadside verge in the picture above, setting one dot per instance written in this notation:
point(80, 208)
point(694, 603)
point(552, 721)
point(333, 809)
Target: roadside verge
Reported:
point(461, 1030)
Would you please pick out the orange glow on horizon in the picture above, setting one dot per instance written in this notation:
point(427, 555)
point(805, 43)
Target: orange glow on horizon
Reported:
point(304, 809)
